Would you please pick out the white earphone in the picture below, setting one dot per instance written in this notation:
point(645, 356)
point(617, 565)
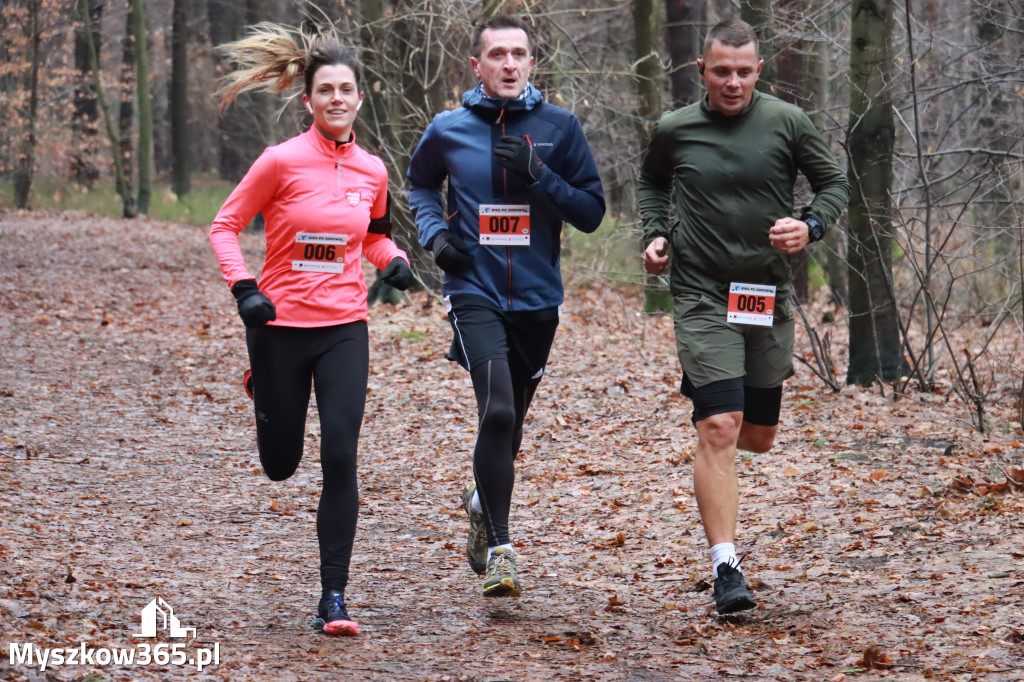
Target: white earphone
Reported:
point(359, 105)
point(309, 108)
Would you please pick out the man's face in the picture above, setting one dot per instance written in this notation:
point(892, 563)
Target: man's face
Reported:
point(730, 74)
point(504, 62)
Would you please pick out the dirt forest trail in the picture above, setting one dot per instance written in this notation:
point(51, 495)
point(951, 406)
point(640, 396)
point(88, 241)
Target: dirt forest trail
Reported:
point(129, 472)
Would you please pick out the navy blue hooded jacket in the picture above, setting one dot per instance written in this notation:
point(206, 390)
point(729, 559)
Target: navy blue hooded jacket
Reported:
point(459, 145)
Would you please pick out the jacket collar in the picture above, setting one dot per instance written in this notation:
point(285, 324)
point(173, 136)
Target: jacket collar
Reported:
point(493, 109)
point(330, 147)
point(739, 116)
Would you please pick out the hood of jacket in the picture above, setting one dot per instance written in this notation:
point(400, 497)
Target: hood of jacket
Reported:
point(493, 109)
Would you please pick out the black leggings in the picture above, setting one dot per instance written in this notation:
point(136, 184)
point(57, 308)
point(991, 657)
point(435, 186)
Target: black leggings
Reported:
point(503, 396)
point(335, 360)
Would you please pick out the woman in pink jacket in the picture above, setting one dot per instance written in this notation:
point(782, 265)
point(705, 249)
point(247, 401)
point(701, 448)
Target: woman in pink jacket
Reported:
point(325, 204)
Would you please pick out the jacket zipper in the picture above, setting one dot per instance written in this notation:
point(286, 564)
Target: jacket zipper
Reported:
point(508, 248)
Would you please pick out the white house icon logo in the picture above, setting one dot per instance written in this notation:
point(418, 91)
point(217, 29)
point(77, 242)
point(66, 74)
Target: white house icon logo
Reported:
point(168, 621)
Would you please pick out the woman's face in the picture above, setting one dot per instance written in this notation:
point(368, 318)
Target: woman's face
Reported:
point(333, 101)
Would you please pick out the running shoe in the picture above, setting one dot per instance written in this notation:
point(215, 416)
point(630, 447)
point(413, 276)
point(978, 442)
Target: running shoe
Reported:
point(501, 574)
point(332, 618)
point(476, 543)
point(247, 382)
point(731, 593)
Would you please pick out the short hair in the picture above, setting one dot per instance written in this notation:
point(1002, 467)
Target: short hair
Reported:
point(498, 21)
point(734, 33)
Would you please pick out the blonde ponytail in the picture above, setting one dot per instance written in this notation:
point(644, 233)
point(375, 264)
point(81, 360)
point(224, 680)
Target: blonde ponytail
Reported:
point(269, 58)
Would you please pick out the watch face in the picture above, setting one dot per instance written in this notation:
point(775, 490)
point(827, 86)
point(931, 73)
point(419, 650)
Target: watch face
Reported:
point(815, 230)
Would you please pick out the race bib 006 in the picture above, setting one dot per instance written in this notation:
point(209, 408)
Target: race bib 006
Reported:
point(315, 252)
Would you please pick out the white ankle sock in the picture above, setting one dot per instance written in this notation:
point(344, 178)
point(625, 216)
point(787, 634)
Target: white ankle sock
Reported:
point(508, 548)
point(723, 552)
point(474, 504)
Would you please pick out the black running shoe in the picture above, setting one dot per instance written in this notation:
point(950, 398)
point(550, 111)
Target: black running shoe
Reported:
point(332, 618)
point(731, 593)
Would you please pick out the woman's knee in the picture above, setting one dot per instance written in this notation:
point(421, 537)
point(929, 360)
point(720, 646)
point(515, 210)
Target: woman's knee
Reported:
point(279, 456)
point(279, 469)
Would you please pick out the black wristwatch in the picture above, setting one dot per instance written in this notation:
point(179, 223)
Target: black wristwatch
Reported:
point(815, 230)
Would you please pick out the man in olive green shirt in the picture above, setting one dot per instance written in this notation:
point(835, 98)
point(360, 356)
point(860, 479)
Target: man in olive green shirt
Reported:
point(729, 163)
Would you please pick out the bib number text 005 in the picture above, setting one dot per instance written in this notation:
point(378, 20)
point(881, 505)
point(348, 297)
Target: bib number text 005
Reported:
point(751, 304)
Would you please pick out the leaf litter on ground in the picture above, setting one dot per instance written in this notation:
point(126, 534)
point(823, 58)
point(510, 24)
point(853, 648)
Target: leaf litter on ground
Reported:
point(129, 471)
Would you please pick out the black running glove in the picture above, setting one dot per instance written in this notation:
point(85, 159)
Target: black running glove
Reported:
point(397, 274)
point(451, 253)
point(254, 308)
point(518, 156)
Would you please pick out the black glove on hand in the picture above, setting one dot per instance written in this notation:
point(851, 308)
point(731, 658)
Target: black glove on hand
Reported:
point(515, 154)
point(254, 308)
point(451, 253)
point(397, 274)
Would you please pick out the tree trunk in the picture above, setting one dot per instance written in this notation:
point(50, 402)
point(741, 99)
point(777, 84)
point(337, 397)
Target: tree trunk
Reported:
point(831, 253)
point(373, 125)
point(648, 66)
point(26, 159)
point(657, 299)
point(180, 134)
point(92, 55)
point(875, 348)
point(375, 134)
point(422, 96)
point(126, 114)
point(789, 84)
point(758, 13)
point(145, 105)
point(84, 117)
point(225, 21)
point(684, 20)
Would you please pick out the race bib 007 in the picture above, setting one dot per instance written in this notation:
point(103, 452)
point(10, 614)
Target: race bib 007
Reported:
point(751, 304)
point(316, 252)
point(505, 224)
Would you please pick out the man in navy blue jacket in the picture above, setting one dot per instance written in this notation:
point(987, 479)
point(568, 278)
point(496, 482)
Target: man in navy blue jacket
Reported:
point(517, 168)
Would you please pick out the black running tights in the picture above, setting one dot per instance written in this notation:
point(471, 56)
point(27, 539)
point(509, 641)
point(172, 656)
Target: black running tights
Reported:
point(503, 397)
point(286, 361)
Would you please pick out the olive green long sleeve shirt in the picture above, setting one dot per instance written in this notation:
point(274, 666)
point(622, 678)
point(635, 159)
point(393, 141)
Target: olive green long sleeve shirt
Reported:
point(731, 178)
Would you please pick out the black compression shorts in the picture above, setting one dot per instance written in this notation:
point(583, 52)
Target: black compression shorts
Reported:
point(482, 331)
point(760, 406)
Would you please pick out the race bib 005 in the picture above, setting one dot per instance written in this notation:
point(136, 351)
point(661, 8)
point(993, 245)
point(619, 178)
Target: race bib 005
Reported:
point(751, 304)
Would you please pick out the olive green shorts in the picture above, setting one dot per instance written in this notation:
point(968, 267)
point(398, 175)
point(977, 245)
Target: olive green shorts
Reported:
point(711, 349)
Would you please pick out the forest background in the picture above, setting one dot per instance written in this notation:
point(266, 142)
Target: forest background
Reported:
point(915, 297)
point(922, 101)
